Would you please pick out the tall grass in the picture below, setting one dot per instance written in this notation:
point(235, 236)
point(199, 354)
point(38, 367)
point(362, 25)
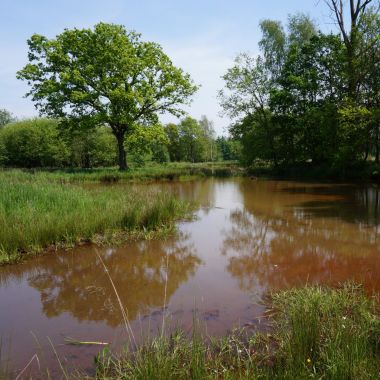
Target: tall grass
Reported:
point(317, 333)
point(327, 332)
point(150, 172)
point(36, 212)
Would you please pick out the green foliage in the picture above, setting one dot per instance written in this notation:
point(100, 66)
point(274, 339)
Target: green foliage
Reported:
point(150, 142)
point(92, 148)
point(355, 133)
point(3, 156)
point(301, 29)
point(327, 333)
point(104, 76)
point(174, 147)
point(228, 149)
point(33, 143)
point(306, 99)
point(42, 143)
point(6, 117)
point(192, 140)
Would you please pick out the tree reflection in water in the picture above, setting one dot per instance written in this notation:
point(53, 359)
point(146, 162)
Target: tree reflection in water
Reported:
point(76, 282)
point(286, 241)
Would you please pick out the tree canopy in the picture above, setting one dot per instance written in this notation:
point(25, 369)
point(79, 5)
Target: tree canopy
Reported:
point(310, 97)
point(105, 75)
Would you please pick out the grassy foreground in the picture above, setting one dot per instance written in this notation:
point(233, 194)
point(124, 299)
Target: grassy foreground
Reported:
point(317, 333)
point(37, 213)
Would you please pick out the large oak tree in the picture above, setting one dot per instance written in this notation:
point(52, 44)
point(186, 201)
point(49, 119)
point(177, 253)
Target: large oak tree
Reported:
point(106, 75)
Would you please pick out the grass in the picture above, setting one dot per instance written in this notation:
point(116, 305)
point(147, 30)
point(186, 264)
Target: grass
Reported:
point(334, 333)
point(37, 213)
point(150, 172)
point(317, 332)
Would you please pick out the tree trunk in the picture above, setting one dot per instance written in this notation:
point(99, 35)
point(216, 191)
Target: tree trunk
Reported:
point(377, 144)
point(350, 37)
point(121, 151)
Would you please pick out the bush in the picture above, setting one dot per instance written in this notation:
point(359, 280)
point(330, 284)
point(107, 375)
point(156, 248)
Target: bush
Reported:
point(33, 143)
point(91, 148)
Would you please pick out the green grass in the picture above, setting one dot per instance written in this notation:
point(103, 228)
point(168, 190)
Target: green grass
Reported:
point(37, 212)
point(150, 172)
point(334, 333)
point(317, 333)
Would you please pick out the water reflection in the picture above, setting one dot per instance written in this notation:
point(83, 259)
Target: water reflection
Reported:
point(249, 237)
point(350, 203)
point(76, 282)
point(303, 234)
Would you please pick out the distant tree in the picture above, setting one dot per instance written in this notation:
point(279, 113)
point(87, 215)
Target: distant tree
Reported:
point(369, 57)
point(228, 148)
point(174, 147)
point(192, 141)
point(246, 99)
point(273, 46)
point(207, 127)
point(90, 148)
point(33, 143)
point(6, 117)
point(306, 99)
point(3, 156)
point(104, 75)
point(301, 29)
point(350, 31)
point(148, 143)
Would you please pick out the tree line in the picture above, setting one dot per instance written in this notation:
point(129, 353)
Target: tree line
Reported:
point(43, 142)
point(310, 97)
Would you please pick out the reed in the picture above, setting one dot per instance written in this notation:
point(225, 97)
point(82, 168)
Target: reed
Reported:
point(317, 333)
point(37, 212)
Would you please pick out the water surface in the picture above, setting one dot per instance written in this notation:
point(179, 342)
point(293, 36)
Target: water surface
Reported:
point(248, 237)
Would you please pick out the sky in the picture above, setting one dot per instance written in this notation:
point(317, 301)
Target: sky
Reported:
point(202, 37)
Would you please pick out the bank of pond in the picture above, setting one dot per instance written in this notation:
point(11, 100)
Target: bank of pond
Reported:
point(194, 276)
point(315, 332)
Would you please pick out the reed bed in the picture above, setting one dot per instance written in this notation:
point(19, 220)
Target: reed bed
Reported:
point(37, 212)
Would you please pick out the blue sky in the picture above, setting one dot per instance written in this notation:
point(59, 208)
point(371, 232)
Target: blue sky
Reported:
point(202, 37)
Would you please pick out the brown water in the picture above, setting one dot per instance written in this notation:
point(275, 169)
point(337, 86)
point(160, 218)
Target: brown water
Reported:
point(248, 237)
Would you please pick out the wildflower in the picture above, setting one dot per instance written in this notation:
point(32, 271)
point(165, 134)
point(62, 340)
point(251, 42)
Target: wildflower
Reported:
point(308, 360)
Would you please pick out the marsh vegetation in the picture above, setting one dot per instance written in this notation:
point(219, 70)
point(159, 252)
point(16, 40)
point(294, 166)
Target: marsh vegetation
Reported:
point(38, 213)
point(316, 332)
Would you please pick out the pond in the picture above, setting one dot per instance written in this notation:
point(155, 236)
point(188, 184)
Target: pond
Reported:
point(247, 237)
